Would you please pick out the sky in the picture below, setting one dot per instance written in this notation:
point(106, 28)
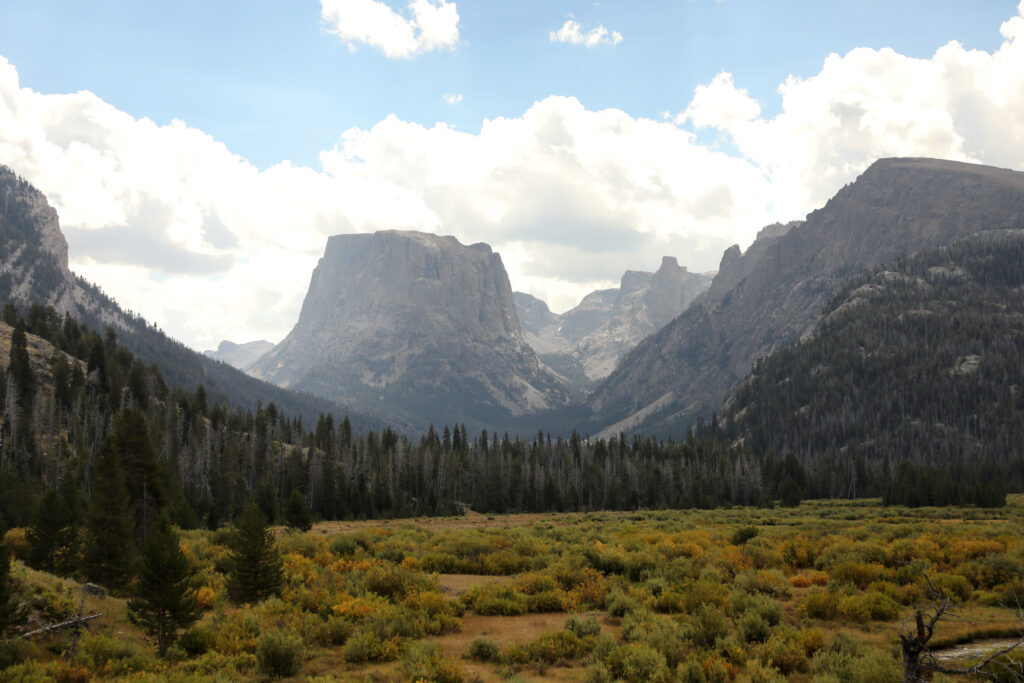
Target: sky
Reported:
point(200, 153)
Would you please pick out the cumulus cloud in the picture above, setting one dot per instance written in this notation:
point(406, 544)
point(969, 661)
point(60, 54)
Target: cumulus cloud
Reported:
point(569, 196)
point(425, 25)
point(572, 33)
point(452, 98)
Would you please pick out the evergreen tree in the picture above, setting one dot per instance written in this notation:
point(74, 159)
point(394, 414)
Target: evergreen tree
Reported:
point(297, 511)
point(108, 554)
point(255, 566)
point(129, 440)
point(165, 602)
point(20, 368)
point(12, 615)
point(53, 536)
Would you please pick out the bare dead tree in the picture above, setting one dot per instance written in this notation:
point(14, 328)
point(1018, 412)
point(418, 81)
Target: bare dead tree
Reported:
point(919, 660)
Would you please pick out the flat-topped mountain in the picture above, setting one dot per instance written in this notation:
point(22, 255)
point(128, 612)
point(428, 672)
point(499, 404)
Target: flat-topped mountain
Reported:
point(758, 304)
point(416, 325)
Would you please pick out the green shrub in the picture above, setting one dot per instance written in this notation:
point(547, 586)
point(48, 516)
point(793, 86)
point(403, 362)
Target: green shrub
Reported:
point(279, 654)
point(753, 628)
point(362, 646)
point(582, 628)
point(548, 601)
point(344, 545)
point(114, 656)
point(619, 604)
point(482, 649)
point(555, 646)
point(494, 599)
point(767, 581)
point(710, 624)
point(637, 662)
point(425, 662)
point(691, 672)
point(597, 674)
point(821, 604)
point(196, 640)
point(871, 606)
point(743, 534)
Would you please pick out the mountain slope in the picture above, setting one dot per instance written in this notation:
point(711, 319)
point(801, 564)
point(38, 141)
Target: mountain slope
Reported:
point(34, 269)
point(921, 360)
point(895, 207)
point(415, 325)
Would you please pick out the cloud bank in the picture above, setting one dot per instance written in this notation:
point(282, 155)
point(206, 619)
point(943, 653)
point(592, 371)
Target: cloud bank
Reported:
point(425, 25)
point(572, 33)
point(174, 225)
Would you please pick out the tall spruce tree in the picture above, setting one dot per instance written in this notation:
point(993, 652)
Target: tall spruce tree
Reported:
point(108, 552)
point(129, 440)
point(165, 602)
point(255, 566)
point(53, 536)
point(296, 511)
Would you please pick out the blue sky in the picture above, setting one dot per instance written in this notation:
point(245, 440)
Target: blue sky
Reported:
point(269, 81)
point(199, 154)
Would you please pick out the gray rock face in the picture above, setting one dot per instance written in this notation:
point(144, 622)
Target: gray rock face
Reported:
point(415, 325)
point(240, 356)
point(774, 294)
point(587, 342)
point(34, 255)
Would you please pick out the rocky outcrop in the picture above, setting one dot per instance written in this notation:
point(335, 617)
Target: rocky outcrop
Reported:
point(646, 302)
point(587, 342)
point(415, 325)
point(757, 305)
point(240, 356)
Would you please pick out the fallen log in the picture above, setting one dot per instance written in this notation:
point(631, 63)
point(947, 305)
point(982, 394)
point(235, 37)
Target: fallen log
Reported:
point(63, 624)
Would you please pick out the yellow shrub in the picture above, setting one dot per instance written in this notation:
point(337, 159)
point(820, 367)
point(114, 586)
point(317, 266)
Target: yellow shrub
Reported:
point(205, 597)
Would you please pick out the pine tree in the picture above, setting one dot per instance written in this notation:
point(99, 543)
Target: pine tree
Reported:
point(12, 614)
point(165, 603)
point(53, 536)
point(129, 440)
point(108, 554)
point(297, 512)
point(256, 569)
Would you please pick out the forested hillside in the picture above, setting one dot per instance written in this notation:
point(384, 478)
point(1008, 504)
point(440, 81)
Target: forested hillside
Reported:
point(919, 361)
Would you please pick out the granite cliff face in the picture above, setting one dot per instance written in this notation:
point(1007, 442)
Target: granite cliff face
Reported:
point(414, 325)
point(587, 342)
point(240, 356)
point(34, 256)
point(774, 294)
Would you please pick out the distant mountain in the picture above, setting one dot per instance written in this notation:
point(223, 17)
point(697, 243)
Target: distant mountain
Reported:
point(414, 325)
point(759, 304)
point(240, 356)
point(587, 342)
point(920, 360)
point(34, 269)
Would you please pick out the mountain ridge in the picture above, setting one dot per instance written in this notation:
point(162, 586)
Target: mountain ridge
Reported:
point(895, 207)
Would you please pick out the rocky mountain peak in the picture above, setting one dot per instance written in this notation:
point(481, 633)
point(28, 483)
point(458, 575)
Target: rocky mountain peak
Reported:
point(414, 324)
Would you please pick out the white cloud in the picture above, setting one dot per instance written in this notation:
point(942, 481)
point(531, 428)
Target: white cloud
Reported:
point(572, 33)
point(424, 26)
point(570, 197)
point(452, 98)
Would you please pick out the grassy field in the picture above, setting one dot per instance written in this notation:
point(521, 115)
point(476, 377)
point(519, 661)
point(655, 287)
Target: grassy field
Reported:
point(818, 592)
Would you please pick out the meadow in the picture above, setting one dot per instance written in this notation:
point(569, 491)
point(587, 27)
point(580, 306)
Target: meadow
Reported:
point(816, 592)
